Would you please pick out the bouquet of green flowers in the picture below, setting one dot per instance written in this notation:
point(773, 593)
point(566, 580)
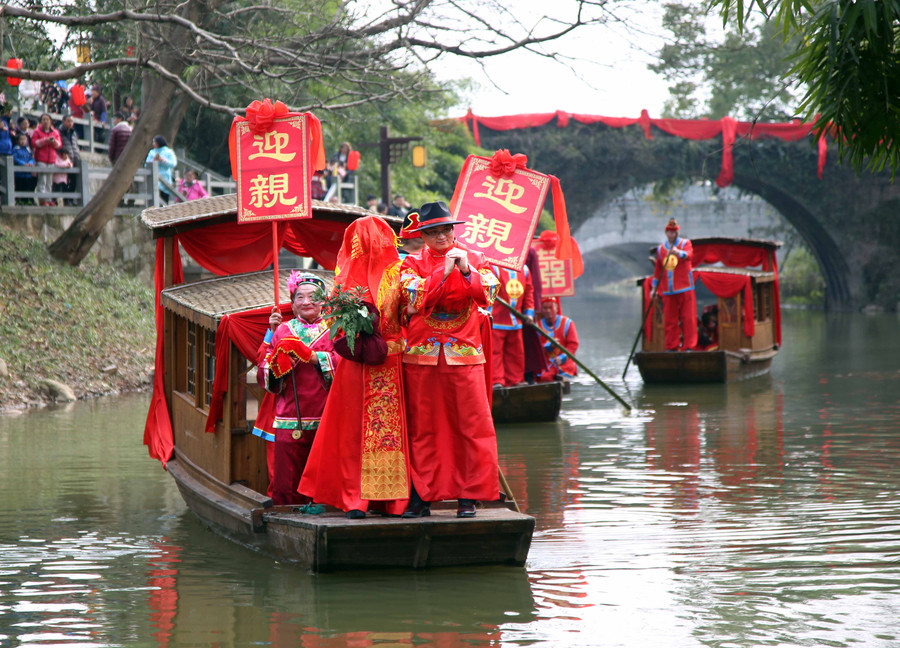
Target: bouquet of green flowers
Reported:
point(348, 312)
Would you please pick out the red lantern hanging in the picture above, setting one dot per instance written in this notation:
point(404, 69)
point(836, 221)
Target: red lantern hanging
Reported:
point(14, 64)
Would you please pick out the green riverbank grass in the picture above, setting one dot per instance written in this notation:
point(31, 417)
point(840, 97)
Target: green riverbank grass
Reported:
point(90, 327)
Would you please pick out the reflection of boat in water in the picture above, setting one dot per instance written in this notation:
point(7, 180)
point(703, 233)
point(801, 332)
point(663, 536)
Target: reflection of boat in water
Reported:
point(229, 598)
point(745, 281)
point(724, 445)
point(537, 403)
point(206, 400)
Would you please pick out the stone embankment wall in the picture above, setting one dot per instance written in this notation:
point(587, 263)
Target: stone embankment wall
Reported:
point(124, 242)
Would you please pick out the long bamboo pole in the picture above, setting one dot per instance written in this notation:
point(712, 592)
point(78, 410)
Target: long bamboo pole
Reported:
point(559, 346)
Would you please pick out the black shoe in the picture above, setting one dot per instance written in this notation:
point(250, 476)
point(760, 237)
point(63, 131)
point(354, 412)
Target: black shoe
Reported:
point(417, 509)
point(465, 508)
point(356, 514)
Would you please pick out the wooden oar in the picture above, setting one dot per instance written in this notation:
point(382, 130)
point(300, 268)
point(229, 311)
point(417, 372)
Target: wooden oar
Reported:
point(644, 318)
point(506, 489)
point(559, 346)
point(640, 330)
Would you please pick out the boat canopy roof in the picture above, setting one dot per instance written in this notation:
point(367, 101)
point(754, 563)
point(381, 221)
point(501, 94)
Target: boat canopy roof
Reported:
point(738, 242)
point(759, 276)
point(205, 302)
point(172, 219)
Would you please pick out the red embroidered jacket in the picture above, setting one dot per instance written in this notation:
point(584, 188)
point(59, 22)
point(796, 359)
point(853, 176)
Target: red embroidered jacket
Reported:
point(680, 279)
point(446, 313)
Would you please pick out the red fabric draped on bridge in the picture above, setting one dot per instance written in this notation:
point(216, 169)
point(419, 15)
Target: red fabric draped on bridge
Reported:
point(694, 129)
point(229, 248)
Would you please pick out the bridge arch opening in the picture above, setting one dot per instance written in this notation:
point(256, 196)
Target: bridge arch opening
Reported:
point(616, 238)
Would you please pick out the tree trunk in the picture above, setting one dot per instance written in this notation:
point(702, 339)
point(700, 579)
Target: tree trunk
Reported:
point(156, 96)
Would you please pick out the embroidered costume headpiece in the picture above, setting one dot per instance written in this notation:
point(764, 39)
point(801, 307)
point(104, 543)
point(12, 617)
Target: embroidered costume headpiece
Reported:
point(434, 214)
point(673, 225)
point(300, 278)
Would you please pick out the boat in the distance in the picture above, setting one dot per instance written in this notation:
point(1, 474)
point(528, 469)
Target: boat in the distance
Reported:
point(524, 403)
point(206, 400)
point(742, 275)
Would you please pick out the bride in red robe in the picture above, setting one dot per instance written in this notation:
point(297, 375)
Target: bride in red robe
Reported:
point(360, 458)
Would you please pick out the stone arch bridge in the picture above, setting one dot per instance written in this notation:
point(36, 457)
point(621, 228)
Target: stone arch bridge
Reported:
point(850, 221)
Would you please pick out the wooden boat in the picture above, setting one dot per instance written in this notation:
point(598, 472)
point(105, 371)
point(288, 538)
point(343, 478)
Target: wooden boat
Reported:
point(537, 403)
point(220, 466)
point(749, 320)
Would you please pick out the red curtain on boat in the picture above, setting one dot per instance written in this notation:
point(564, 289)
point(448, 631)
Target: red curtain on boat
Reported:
point(727, 286)
point(744, 256)
point(230, 248)
point(721, 285)
point(246, 330)
point(158, 436)
point(695, 129)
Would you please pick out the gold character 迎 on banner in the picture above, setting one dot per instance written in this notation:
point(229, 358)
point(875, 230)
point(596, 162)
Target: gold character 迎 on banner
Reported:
point(272, 146)
point(503, 192)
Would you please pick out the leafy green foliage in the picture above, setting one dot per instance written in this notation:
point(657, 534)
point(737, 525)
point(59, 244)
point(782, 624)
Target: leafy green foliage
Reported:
point(801, 279)
point(347, 313)
point(70, 323)
point(739, 74)
point(846, 55)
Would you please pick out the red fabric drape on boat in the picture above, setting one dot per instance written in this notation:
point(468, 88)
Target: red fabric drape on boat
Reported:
point(229, 248)
point(744, 256)
point(158, 436)
point(246, 330)
point(694, 129)
point(727, 286)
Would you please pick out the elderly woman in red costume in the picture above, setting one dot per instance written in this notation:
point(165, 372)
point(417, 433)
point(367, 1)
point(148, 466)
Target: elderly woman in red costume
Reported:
point(298, 367)
point(453, 447)
point(360, 459)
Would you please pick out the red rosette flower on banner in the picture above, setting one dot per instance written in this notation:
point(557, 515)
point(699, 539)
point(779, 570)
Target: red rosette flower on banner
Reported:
point(504, 164)
point(261, 115)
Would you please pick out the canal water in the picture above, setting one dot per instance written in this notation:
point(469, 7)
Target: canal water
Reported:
point(763, 513)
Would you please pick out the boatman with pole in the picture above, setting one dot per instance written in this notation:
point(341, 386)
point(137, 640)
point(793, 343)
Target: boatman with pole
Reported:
point(560, 328)
point(508, 350)
point(675, 281)
point(452, 443)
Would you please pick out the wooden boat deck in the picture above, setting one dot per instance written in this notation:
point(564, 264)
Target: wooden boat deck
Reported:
point(329, 541)
point(701, 366)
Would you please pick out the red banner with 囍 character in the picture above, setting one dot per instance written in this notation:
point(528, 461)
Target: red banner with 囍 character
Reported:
point(557, 278)
point(500, 202)
point(273, 170)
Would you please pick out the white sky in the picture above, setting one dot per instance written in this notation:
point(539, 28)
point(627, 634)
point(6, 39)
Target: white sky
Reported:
point(607, 76)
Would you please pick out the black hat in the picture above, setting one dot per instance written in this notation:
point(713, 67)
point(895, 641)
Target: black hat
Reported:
point(433, 214)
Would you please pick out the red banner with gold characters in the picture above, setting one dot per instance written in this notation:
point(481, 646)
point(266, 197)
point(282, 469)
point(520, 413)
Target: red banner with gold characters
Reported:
point(557, 278)
point(273, 170)
point(500, 202)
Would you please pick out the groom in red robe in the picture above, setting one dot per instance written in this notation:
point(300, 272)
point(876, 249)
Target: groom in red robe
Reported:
point(453, 446)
